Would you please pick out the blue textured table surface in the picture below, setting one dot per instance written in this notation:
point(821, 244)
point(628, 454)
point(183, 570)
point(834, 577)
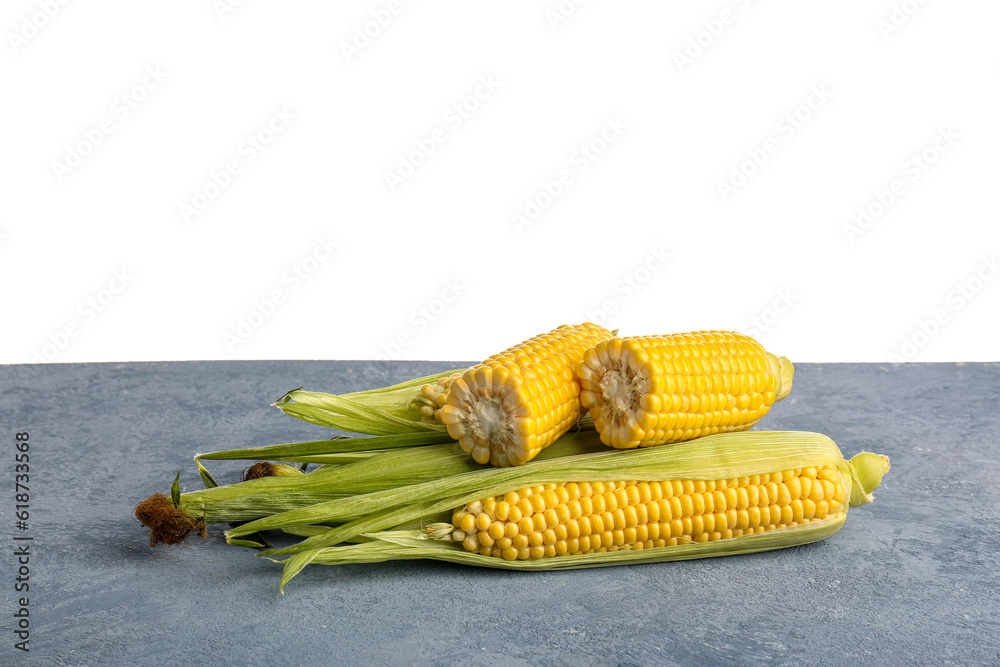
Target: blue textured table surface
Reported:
point(911, 578)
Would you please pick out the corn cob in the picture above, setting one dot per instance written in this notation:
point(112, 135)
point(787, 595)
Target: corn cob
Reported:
point(580, 518)
point(514, 404)
point(746, 482)
point(651, 390)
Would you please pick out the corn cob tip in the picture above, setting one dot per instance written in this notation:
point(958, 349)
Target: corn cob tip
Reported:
point(784, 371)
point(866, 470)
point(439, 531)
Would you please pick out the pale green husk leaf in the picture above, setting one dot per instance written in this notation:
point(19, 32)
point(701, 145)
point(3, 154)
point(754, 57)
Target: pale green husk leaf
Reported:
point(378, 470)
point(313, 450)
point(409, 545)
point(385, 411)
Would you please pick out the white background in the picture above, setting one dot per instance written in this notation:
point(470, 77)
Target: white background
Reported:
point(101, 261)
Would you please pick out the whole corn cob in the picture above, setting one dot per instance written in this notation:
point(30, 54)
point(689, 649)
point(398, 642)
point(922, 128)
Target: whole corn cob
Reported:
point(517, 402)
point(581, 518)
point(652, 390)
point(719, 495)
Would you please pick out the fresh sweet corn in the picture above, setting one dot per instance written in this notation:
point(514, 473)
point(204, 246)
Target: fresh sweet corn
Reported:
point(581, 518)
point(720, 495)
point(514, 404)
point(651, 390)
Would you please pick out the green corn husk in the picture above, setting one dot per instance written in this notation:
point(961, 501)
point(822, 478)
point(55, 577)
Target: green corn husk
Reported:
point(416, 545)
point(385, 411)
point(389, 411)
point(382, 469)
point(376, 519)
point(335, 450)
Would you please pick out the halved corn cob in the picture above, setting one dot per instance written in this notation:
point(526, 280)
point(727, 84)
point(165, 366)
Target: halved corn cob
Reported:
point(517, 402)
point(719, 495)
point(652, 390)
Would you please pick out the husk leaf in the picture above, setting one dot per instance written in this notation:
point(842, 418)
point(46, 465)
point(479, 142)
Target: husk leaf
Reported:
point(866, 471)
point(409, 545)
point(384, 411)
point(380, 470)
point(312, 451)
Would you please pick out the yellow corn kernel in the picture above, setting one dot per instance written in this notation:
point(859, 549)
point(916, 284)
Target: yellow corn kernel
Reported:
point(806, 483)
point(497, 530)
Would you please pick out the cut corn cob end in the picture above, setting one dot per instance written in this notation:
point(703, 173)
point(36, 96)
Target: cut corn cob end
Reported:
point(654, 390)
point(582, 518)
point(505, 410)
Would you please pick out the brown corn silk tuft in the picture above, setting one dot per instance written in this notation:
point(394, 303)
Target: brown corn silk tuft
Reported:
point(167, 524)
point(258, 470)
